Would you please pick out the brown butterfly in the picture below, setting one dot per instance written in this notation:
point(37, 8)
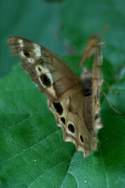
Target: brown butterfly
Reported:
point(74, 101)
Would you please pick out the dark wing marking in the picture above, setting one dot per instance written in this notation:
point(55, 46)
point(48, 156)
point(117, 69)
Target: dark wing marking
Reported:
point(51, 75)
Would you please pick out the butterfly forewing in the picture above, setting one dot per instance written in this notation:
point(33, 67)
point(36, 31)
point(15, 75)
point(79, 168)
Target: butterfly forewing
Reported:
point(44, 68)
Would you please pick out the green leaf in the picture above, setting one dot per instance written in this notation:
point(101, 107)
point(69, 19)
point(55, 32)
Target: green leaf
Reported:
point(33, 153)
point(31, 146)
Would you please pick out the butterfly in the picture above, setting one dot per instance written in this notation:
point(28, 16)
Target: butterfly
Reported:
point(73, 100)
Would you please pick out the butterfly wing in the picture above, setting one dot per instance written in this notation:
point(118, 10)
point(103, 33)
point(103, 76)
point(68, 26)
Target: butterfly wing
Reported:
point(69, 98)
point(76, 127)
point(91, 82)
point(51, 75)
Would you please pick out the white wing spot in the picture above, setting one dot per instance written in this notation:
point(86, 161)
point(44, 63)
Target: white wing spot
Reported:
point(22, 54)
point(30, 60)
point(69, 139)
point(21, 43)
point(37, 50)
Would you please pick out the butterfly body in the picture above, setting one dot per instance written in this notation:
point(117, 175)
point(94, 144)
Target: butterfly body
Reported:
point(70, 98)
